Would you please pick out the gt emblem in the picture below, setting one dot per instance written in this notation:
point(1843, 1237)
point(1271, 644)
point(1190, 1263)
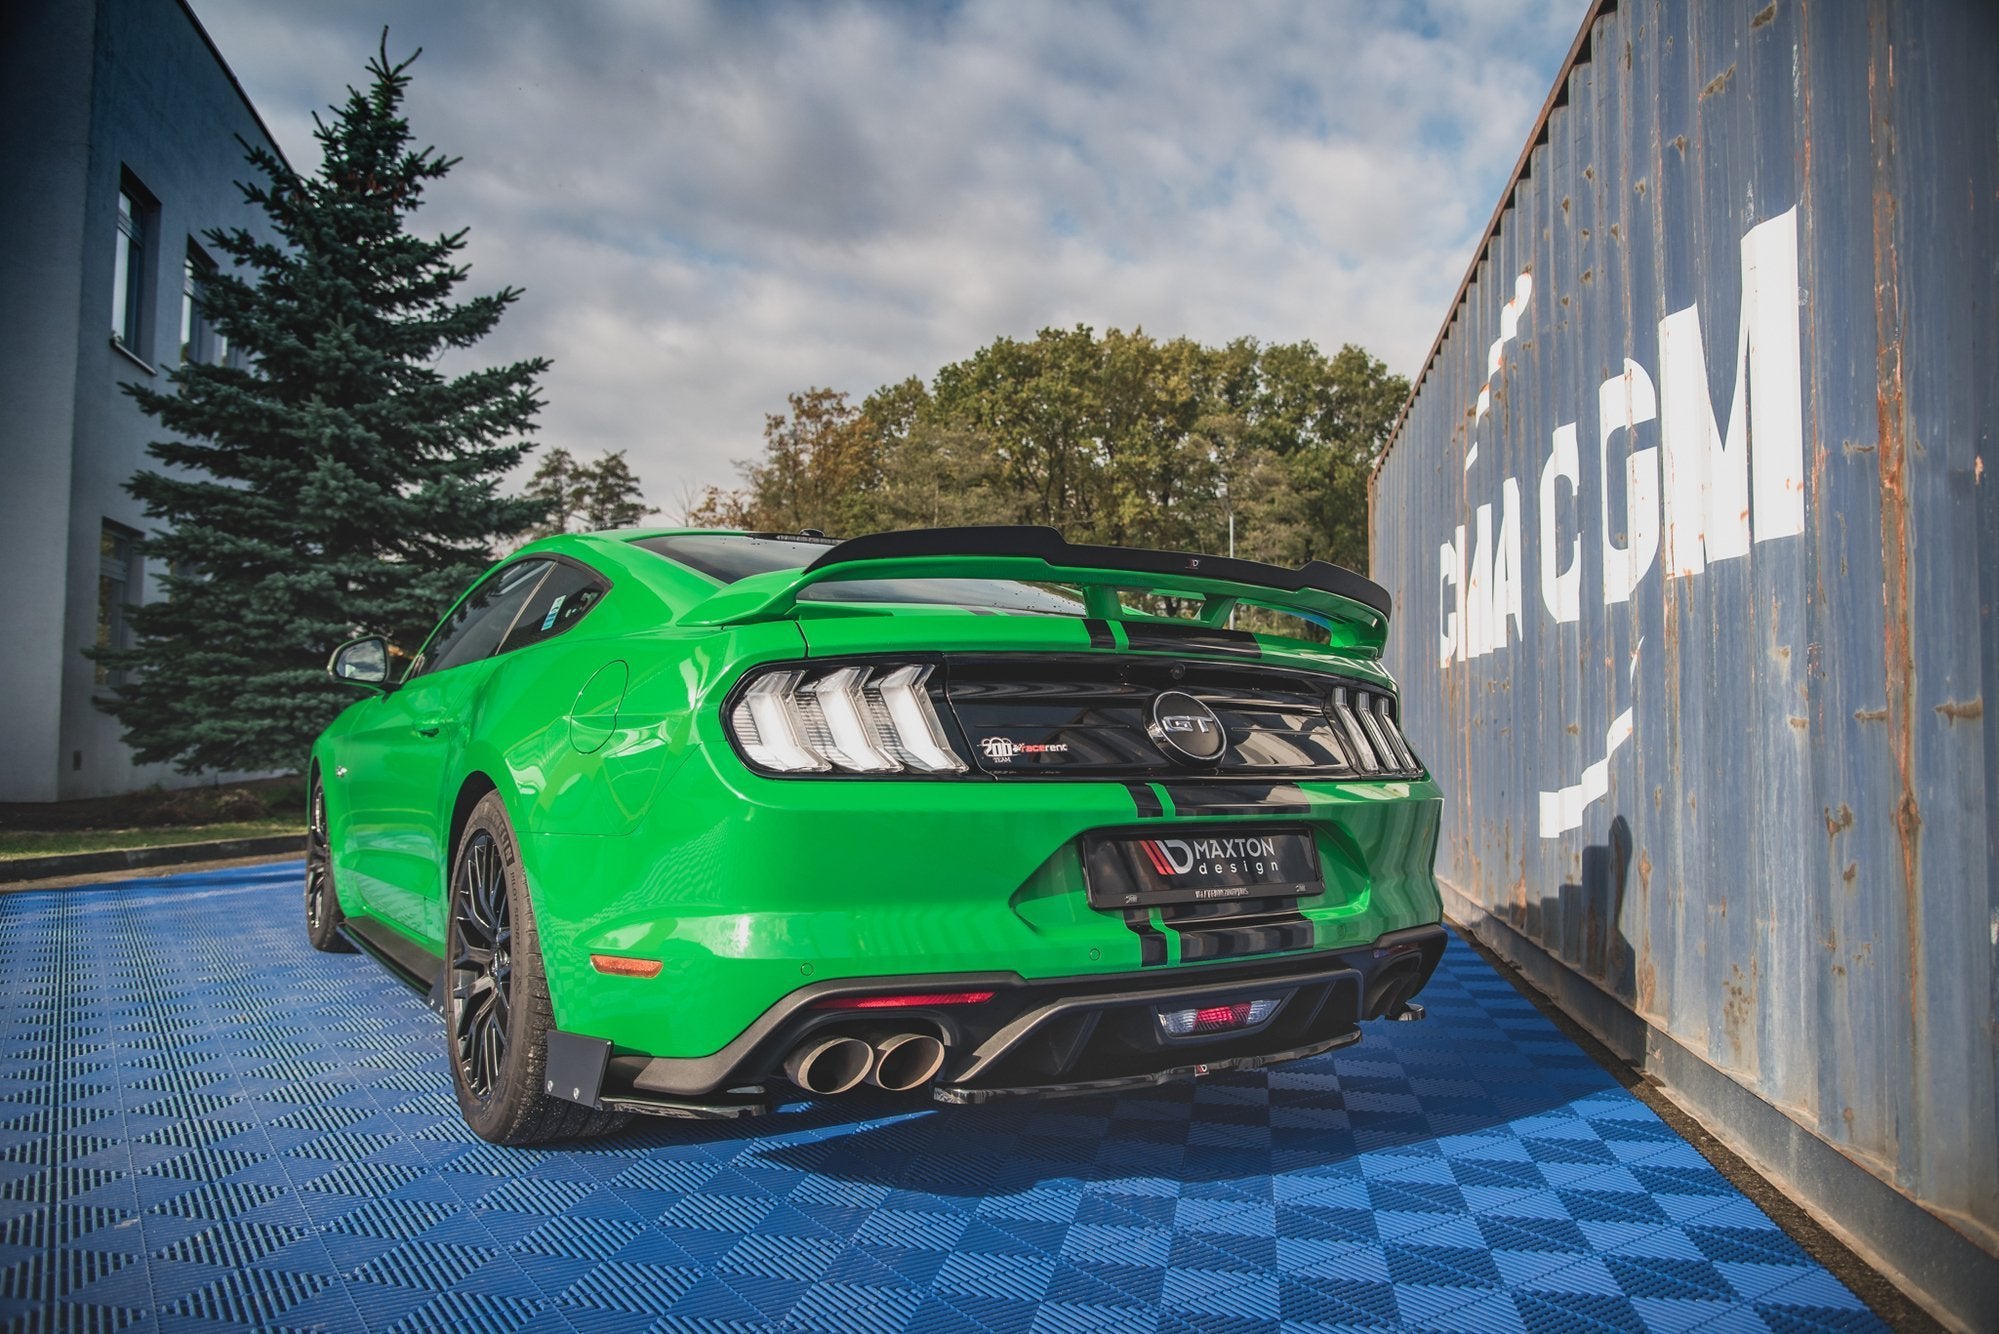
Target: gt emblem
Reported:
point(1186, 728)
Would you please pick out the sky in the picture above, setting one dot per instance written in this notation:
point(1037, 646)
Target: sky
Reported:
point(712, 205)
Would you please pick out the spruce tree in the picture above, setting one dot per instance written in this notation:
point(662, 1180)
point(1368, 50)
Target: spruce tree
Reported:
point(332, 481)
point(586, 497)
point(558, 487)
point(611, 494)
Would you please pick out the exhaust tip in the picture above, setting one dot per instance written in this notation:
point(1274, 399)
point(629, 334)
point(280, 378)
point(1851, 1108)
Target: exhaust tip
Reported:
point(829, 1065)
point(906, 1061)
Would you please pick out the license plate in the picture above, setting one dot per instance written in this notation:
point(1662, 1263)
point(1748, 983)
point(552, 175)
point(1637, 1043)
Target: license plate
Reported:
point(1185, 866)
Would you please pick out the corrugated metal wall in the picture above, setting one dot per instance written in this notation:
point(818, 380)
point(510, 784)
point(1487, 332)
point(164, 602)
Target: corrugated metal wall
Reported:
point(1694, 561)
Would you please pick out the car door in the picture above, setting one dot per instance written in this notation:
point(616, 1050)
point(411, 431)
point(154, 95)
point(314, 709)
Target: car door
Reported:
point(404, 755)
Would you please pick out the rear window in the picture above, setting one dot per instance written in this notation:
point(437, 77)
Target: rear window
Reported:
point(727, 557)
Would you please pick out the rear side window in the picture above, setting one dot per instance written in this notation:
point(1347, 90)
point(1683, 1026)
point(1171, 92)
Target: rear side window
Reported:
point(557, 603)
point(478, 624)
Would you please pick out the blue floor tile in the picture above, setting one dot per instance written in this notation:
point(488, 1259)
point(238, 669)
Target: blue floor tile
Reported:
point(231, 1131)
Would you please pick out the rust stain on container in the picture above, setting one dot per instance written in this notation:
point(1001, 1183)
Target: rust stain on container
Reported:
point(1898, 639)
point(1738, 1008)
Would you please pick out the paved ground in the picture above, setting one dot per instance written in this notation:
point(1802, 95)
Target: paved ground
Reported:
point(205, 1124)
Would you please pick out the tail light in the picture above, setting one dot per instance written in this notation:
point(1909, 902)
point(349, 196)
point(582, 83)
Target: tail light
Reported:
point(910, 1000)
point(1367, 721)
point(859, 720)
point(1394, 734)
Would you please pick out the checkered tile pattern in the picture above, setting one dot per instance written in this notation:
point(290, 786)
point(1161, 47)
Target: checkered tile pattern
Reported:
point(205, 1125)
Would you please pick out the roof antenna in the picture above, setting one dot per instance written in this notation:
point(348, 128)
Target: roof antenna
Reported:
point(810, 532)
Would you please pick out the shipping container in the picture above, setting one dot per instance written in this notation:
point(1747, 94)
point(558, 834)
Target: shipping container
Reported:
point(1694, 561)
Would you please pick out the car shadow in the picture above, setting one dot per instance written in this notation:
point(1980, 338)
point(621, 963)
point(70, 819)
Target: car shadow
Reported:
point(1484, 1059)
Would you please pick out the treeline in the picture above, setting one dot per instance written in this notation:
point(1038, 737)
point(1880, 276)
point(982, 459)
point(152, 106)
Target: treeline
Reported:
point(1120, 439)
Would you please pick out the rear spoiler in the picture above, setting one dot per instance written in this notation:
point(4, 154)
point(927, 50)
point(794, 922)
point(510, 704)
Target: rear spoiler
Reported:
point(1323, 592)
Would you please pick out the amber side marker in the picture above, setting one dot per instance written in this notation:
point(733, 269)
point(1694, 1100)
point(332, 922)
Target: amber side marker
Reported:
point(619, 966)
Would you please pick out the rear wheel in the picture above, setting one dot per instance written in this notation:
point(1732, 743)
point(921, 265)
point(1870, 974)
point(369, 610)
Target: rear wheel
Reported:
point(497, 1012)
point(322, 901)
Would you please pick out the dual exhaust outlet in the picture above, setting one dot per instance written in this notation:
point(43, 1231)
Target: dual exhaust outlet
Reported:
point(832, 1063)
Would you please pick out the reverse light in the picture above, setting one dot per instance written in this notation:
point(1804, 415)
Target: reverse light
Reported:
point(1216, 1018)
point(904, 1002)
point(863, 720)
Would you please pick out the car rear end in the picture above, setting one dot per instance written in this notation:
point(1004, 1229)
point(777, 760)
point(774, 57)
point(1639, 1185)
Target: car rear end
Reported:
point(996, 851)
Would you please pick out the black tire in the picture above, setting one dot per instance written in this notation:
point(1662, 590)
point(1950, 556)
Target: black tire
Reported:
point(322, 900)
point(497, 1015)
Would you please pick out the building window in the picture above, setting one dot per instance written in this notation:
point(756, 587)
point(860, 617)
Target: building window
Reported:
point(118, 574)
point(199, 340)
point(136, 213)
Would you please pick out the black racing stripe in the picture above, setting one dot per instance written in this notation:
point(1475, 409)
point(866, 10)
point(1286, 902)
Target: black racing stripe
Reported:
point(1238, 799)
point(1147, 801)
point(1263, 935)
point(1100, 632)
point(1153, 637)
point(1151, 943)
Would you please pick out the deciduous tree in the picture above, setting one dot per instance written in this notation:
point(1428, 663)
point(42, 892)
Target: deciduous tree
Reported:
point(1118, 438)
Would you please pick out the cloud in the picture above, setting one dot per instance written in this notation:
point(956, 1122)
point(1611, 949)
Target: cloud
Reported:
point(710, 206)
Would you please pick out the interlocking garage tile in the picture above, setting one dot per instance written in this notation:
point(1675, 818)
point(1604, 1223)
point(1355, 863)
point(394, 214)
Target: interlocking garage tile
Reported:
point(235, 1132)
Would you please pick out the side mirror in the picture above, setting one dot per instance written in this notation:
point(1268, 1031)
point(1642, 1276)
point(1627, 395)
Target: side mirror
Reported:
point(361, 662)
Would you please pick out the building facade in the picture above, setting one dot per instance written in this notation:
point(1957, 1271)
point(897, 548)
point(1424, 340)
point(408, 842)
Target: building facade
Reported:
point(123, 134)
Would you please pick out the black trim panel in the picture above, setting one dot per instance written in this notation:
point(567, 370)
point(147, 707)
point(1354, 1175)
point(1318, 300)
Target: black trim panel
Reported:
point(409, 963)
point(947, 1093)
point(1157, 637)
point(1051, 1022)
point(1237, 799)
point(575, 1068)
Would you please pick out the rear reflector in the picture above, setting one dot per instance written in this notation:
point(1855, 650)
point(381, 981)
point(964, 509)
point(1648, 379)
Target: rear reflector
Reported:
point(1215, 1018)
point(619, 966)
point(903, 1002)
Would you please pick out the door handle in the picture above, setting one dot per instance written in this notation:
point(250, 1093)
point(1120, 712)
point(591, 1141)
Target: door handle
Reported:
point(429, 729)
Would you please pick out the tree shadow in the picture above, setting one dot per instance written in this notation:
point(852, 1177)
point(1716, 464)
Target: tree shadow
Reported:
point(1582, 924)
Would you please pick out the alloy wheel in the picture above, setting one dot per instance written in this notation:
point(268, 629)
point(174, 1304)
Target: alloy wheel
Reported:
point(318, 879)
point(481, 964)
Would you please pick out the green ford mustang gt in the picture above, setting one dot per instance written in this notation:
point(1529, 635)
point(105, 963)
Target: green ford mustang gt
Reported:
point(669, 821)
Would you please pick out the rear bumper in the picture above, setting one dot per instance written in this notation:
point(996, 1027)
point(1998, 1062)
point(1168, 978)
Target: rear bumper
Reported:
point(745, 890)
point(1051, 1037)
